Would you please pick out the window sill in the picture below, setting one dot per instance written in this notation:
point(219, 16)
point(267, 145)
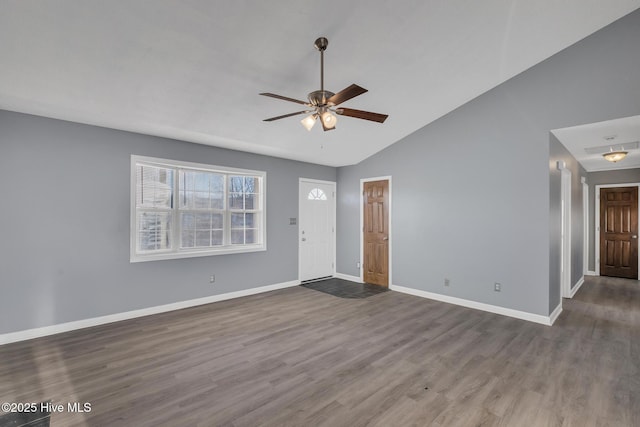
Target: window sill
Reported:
point(134, 258)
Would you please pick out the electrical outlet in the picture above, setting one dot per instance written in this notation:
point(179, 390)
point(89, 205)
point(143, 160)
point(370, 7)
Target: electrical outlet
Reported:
point(212, 278)
point(446, 282)
point(358, 264)
point(497, 287)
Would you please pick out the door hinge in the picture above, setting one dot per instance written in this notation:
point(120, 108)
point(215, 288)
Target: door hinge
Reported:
point(333, 265)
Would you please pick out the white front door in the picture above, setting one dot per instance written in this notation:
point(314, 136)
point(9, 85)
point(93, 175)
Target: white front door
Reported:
point(316, 229)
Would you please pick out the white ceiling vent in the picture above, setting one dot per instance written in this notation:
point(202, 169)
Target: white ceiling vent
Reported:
point(605, 148)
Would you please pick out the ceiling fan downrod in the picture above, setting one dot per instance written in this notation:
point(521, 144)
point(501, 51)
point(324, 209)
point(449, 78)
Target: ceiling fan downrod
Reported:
point(321, 44)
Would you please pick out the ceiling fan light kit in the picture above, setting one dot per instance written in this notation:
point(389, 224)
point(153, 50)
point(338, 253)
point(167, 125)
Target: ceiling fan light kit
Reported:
point(328, 119)
point(309, 121)
point(322, 103)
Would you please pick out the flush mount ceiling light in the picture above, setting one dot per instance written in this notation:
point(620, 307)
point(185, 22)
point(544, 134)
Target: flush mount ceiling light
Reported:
point(322, 103)
point(615, 156)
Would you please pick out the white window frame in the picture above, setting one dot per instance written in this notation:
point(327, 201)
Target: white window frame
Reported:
point(175, 252)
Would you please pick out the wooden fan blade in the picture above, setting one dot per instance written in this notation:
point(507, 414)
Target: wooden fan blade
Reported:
point(286, 115)
point(359, 114)
point(346, 94)
point(273, 95)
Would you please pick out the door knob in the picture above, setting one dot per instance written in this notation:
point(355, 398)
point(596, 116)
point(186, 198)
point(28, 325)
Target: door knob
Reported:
point(634, 236)
point(385, 238)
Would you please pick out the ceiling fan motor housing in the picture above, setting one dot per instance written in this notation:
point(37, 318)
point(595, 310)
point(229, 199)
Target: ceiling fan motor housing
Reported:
point(319, 98)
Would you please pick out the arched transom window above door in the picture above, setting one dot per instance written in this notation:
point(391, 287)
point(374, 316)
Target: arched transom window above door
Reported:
point(316, 194)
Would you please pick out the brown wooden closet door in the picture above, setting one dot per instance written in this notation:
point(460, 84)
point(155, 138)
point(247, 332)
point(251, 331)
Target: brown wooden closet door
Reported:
point(376, 233)
point(619, 232)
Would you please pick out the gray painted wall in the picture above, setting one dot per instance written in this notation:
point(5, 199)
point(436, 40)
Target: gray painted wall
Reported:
point(471, 190)
point(558, 152)
point(64, 252)
point(623, 176)
point(471, 198)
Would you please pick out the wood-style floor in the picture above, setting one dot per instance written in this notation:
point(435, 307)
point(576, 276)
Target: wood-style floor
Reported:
point(303, 358)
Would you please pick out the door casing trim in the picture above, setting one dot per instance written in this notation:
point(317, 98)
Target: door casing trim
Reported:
point(361, 209)
point(585, 227)
point(596, 240)
point(335, 216)
point(566, 212)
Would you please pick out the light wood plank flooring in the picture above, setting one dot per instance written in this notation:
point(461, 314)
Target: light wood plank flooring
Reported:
point(303, 358)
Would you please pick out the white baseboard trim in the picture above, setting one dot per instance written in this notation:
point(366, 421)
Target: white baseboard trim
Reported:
point(576, 287)
point(555, 313)
point(95, 321)
point(590, 273)
point(348, 277)
point(523, 315)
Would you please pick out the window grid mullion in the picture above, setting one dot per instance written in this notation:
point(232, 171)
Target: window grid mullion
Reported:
point(175, 202)
point(227, 216)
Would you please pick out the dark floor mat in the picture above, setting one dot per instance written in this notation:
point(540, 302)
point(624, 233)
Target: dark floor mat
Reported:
point(345, 289)
point(35, 416)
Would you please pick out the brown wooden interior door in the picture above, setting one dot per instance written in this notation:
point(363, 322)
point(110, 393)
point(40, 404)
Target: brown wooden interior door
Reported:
point(619, 232)
point(376, 233)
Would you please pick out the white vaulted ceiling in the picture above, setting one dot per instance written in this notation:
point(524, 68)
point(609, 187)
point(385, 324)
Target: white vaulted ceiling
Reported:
point(192, 70)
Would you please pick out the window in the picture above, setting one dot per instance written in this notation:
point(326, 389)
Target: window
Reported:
point(181, 210)
point(316, 194)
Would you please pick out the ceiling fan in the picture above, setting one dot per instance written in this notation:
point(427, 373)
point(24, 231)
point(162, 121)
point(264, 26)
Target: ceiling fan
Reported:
point(322, 103)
